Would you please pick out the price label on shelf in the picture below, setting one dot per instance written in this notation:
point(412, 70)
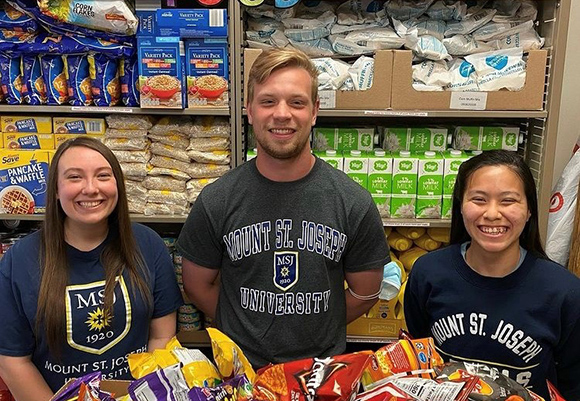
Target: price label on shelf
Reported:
point(100, 109)
point(327, 99)
point(468, 100)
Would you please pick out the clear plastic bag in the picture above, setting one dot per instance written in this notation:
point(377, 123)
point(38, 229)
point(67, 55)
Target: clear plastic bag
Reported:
point(210, 126)
point(158, 148)
point(125, 133)
point(126, 143)
point(132, 156)
point(134, 170)
point(203, 170)
point(164, 184)
point(170, 172)
point(215, 157)
point(176, 140)
point(209, 144)
point(118, 121)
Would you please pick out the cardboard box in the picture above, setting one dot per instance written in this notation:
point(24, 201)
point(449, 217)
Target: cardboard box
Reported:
point(377, 97)
point(60, 138)
point(38, 125)
point(78, 125)
point(118, 387)
point(192, 23)
point(207, 72)
point(161, 70)
point(382, 324)
point(23, 181)
point(28, 141)
point(531, 97)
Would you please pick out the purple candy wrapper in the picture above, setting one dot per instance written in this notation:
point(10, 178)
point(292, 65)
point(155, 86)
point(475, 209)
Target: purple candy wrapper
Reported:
point(162, 385)
point(238, 387)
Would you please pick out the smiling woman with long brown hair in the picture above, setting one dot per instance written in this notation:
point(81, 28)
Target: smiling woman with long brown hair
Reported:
point(89, 287)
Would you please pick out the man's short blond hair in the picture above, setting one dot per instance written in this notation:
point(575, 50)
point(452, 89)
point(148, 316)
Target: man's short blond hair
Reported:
point(273, 59)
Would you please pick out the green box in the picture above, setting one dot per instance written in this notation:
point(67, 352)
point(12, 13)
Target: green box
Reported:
point(429, 185)
point(356, 166)
point(404, 185)
point(453, 159)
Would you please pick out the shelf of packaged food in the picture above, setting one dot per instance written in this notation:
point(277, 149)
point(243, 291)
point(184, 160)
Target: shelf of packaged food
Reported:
point(141, 218)
point(432, 113)
point(24, 109)
point(200, 338)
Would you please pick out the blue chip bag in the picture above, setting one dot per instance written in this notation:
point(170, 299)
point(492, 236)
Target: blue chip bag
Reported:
point(41, 44)
point(129, 77)
point(106, 87)
point(97, 45)
point(33, 88)
point(54, 79)
point(11, 78)
point(16, 21)
point(78, 79)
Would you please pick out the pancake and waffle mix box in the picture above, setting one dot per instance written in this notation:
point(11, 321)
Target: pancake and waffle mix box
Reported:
point(23, 181)
point(78, 125)
point(28, 141)
point(38, 125)
point(60, 138)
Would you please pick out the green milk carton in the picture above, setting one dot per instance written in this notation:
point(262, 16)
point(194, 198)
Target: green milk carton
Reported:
point(325, 139)
point(396, 139)
point(487, 138)
point(429, 139)
point(332, 157)
point(404, 185)
point(380, 180)
point(251, 153)
point(356, 166)
point(453, 159)
point(429, 185)
point(356, 139)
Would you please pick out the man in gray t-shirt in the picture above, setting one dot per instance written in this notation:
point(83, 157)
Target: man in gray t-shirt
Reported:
point(285, 230)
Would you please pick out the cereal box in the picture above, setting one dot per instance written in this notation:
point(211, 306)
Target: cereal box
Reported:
point(161, 72)
point(39, 125)
point(207, 72)
point(23, 181)
point(28, 141)
point(78, 125)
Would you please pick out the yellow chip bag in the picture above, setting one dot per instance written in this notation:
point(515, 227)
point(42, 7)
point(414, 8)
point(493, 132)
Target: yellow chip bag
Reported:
point(201, 374)
point(228, 356)
point(148, 362)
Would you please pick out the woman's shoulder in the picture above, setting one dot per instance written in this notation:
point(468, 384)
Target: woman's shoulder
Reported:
point(556, 273)
point(145, 235)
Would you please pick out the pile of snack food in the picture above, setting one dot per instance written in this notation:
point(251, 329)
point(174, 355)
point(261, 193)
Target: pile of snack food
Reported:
point(406, 370)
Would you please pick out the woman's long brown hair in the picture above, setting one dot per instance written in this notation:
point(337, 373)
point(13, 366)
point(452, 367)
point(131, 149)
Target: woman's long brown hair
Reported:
point(119, 255)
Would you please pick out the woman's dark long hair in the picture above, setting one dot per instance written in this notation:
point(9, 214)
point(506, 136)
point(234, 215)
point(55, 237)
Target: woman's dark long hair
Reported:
point(530, 236)
point(118, 256)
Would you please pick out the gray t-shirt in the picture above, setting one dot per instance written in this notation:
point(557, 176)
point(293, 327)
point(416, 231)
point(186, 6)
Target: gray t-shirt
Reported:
point(282, 249)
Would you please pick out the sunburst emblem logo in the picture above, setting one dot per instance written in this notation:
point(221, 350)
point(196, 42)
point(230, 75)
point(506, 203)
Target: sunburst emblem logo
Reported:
point(284, 272)
point(98, 319)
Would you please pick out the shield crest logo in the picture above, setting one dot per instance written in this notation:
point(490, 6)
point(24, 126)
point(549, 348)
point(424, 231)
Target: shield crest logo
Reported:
point(285, 269)
point(89, 328)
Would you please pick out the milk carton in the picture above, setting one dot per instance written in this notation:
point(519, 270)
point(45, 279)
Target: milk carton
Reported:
point(429, 139)
point(344, 139)
point(395, 139)
point(251, 153)
point(404, 185)
point(429, 185)
point(487, 138)
point(356, 166)
point(380, 180)
point(452, 161)
point(333, 158)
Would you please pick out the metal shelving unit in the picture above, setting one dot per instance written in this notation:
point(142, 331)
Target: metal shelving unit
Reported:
point(215, 111)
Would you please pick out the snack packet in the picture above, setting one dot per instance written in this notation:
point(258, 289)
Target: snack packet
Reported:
point(228, 356)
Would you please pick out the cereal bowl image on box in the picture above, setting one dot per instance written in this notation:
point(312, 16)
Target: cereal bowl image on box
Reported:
point(161, 86)
point(207, 90)
point(15, 199)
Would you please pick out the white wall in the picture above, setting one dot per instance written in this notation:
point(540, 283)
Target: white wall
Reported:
point(569, 121)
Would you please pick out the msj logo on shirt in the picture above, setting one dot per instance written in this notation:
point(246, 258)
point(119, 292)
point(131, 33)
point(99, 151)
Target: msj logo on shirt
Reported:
point(89, 327)
point(285, 269)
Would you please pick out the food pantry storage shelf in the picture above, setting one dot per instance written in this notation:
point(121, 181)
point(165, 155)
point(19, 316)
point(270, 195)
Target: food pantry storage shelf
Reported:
point(24, 109)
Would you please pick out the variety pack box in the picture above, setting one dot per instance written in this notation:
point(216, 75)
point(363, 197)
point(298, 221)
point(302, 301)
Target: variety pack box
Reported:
point(78, 125)
point(207, 72)
point(192, 23)
point(161, 70)
point(28, 141)
point(38, 125)
point(23, 181)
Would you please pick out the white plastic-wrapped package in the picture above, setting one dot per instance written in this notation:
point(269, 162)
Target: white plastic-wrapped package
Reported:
point(358, 12)
point(165, 209)
point(165, 196)
point(120, 121)
point(213, 157)
point(210, 126)
point(527, 40)
point(160, 149)
point(407, 9)
point(463, 77)
point(376, 38)
point(125, 133)
point(446, 10)
point(163, 183)
point(136, 171)
point(425, 46)
point(499, 69)
point(314, 48)
point(171, 125)
point(362, 73)
point(309, 27)
point(431, 73)
point(176, 140)
point(169, 172)
point(506, 9)
point(470, 24)
point(167, 162)
point(435, 28)
point(208, 144)
point(204, 170)
point(499, 30)
point(127, 143)
point(331, 73)
point(135, 188)
point(132, 156)
point(264, 25)
point(562, 210)
point(462, 45)
point(136, 206)
point(197, 184)
point(269, 11)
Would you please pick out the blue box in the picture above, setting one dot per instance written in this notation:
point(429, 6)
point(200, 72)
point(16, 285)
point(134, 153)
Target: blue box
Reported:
point(147, 22)
point(192, 23)
point(207, 72)
point(161, 72)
